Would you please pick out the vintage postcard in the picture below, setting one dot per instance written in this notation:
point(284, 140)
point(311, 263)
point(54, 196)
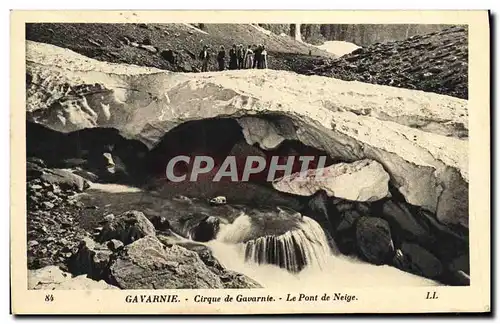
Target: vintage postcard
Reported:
point(250, 162)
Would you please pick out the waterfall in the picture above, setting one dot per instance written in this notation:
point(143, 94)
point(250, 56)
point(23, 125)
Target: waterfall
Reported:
point(307, 245)
point(302, 257)
point(293, 250)
point(295, 29)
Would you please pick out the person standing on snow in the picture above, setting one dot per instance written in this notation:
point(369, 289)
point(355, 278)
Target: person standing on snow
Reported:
point(256, 56)
point(263, 58)
point(249, 58)
point(204, 57)
point(233, 58)
point(241, 56)
point(221, 57)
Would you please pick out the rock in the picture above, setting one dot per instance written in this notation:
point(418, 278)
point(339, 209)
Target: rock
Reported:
point(87, 175)
point(93, 42)
point(64, 179)
point(53, 278)
point(115, 245)
point(91, 259)
point(345, 231)
point(33, 170)
point(404, 223)
point(48, 205)
point(205, 230)
point(419, 138)
point(127, 227)
point(320, 209)
point(219, 200)
point(109, 218)
point(148, 48)
point(35, 187)
point(35, 161)
point(148, 264)
point(373, 238)
point(229, 278)
point(367, 181)
point(169, 56)
point(415, 259)
point(460, 278)
point(160, 223)
point(32, 244)
point(266, 134)
point(461, 263)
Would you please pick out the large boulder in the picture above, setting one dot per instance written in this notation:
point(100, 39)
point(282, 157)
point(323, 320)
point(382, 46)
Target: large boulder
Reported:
point(205, 230)
point(230, 279)
point(404, 224)
point(53, 278)
point(148, 264)
point(65, 179)
point(91, 259)
point(419, 138)
point(415, 259)
point(127, 227)
point(367, 181)
point(374, 241)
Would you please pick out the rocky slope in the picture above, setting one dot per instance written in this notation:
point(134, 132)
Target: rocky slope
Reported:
point(435, 62)
point(173, 47)
point(122, 251)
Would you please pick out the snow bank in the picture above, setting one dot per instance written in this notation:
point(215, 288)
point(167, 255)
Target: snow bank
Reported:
point(197, 29)
point(339, 48)
point(417, 137)
point(262, 30)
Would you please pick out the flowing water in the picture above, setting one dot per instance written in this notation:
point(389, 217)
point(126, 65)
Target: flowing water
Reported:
point(301, 257)
point(298, 255)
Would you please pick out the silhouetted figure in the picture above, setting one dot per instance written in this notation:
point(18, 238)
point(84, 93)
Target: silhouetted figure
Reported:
point(257, 56)
point(221, 57)
point(263, 58)
point(204, 57)
point(249, 58)
point(241, 56)
point(233, 58)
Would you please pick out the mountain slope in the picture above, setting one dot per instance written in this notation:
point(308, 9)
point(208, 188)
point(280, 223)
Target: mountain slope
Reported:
point(435, 62)
point(173, 47)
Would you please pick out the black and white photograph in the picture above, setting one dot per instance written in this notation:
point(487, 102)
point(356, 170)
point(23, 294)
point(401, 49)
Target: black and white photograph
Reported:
point(246, 157)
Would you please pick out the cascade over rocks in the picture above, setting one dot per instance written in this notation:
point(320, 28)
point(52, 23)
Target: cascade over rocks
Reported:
point(229, 278)
point(417, 137)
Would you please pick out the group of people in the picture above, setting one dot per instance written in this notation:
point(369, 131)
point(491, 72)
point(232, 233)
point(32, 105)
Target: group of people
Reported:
point(253, 57)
